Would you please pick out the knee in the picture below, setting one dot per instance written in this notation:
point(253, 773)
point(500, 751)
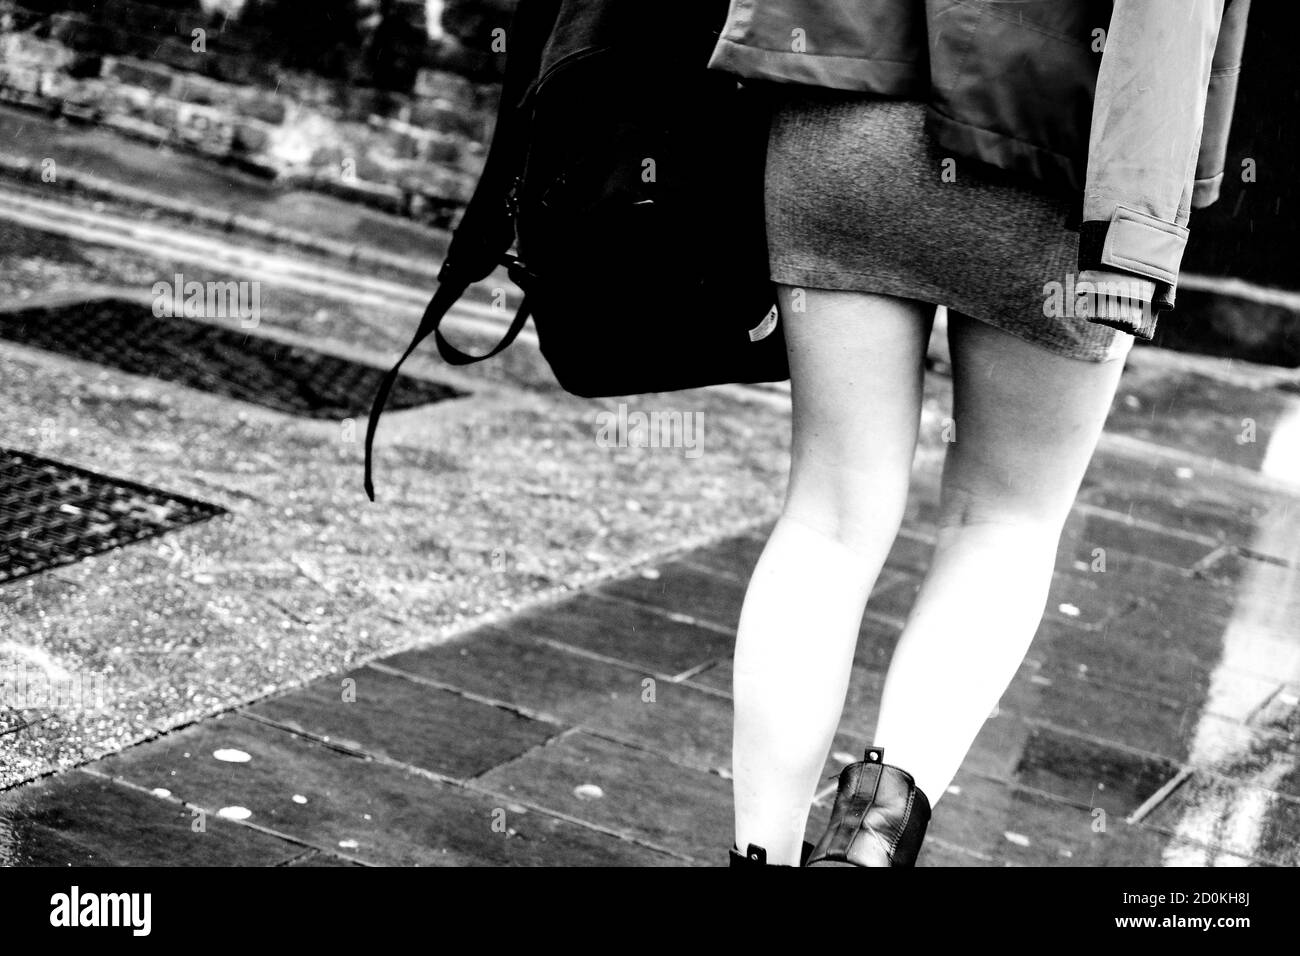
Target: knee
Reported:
point(860, 519)
point(1026, 510)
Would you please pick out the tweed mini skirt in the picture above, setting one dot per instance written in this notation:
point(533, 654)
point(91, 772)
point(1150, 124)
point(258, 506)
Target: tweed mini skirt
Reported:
point(858, 197)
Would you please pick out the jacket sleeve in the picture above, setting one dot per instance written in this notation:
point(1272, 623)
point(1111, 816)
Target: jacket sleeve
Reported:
point(1147, 120)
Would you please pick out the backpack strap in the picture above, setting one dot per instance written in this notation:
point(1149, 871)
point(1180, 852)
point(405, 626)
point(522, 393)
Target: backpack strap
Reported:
point(486, 230)
point(438, 307)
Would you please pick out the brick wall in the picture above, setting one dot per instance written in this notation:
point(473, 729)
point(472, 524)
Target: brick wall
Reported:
point(416, 151)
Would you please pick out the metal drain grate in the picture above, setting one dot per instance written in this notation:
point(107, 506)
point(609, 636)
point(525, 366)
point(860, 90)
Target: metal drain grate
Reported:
point(52, 514)
point(300, 381)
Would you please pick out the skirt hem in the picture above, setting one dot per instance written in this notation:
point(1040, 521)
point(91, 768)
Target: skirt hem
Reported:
point(886, 285)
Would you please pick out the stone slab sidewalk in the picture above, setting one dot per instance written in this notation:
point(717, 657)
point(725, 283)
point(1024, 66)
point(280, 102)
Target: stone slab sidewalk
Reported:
point(1153, 722)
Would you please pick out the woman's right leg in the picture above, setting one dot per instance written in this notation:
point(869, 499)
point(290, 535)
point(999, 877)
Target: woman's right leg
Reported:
point(1026, 424)
point(857, 363)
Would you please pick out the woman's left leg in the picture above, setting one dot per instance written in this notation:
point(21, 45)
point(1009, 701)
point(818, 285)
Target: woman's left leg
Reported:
point(856, 369)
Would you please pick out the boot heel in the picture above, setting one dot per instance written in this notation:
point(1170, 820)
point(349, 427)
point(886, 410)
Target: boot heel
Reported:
point(879, 818)
point(757, 856)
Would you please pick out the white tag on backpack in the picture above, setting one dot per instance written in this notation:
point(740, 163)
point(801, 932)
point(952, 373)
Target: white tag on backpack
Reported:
point(764, 328)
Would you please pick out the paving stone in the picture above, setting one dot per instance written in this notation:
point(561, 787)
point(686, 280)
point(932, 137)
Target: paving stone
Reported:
point(1208, 742)
point(81, 820)
point(733, 557)
point(356, 807)
point(1115, 717)
point(1086, 600)
point(408, 722)
point(1210, 636)
point(937, 852)
point(1204, 416)
point(316, 860)
point(1156, 491)
point(1010, 825)
point(678, 720)
point(637, 636)
point(1122, 546)
point(681, 722)
point(510, 666)
point(685, 810)
point(1085, 772)
point(1119, 656)
point(1224, 693)
point(1232, 818)
point(681, 589)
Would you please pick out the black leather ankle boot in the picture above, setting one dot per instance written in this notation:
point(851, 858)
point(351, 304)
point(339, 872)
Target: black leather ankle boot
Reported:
point(879, 817)
point(757, 856)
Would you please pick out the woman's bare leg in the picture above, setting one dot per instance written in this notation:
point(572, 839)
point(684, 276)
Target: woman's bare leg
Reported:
point(857, 364)
point(1027, 422)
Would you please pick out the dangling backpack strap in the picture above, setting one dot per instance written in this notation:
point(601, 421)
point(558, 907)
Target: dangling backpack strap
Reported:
point(443, 299)
point(486, 229)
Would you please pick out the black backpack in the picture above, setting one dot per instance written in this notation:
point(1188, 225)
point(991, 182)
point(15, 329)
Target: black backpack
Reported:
point(628, 177)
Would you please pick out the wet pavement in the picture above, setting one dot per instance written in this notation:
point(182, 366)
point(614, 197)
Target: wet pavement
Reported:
point(521, 654)
point(1154, 721)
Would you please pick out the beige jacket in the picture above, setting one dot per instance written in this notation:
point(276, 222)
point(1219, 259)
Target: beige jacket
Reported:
point(1127, 103)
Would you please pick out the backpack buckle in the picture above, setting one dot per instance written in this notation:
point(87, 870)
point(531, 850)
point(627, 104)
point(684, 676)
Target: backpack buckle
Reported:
point(519, 272)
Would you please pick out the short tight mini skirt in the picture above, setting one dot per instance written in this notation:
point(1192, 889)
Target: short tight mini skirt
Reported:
point(858, 197)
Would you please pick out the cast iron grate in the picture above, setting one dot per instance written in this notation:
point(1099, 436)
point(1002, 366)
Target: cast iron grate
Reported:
point(52, 514)
point(300, 381)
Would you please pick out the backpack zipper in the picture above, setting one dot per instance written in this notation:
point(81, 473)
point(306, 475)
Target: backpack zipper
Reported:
point(564, 63)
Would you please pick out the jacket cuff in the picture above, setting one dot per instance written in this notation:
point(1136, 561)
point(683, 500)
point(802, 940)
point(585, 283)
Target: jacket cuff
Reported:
point(1138, 244)
point(1119, 300)
point(1134, 242)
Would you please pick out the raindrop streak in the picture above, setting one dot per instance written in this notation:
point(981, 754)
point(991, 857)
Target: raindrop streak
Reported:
point(348, 844)
point(1019, 839)
point(231, 755)
point(235, 813)
point(588, 791)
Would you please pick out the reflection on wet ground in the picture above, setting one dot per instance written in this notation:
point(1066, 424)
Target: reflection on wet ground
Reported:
point(1249, 812)
point(1154, 721)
